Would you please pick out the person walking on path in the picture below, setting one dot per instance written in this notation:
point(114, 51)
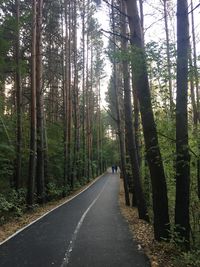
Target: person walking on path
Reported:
point(113, 168)
point(96, 234)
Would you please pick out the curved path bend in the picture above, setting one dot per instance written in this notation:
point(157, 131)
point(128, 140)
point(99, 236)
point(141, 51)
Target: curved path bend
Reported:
point(87, 231)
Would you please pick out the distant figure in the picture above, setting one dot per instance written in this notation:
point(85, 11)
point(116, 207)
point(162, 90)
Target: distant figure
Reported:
point(113, 168)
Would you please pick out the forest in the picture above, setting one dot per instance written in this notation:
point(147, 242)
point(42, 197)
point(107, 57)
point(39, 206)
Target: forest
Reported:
point(58, 132)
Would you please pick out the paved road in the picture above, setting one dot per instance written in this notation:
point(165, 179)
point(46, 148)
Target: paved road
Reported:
point(88, 231)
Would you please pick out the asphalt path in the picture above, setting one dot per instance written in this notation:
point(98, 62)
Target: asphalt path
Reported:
point(87, 231)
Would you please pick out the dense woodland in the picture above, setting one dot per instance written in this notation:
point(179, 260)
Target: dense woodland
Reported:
point(56, 135)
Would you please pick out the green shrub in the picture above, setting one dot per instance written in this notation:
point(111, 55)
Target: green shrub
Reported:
point(12, 205)
point(191, 258)
point(55, 192)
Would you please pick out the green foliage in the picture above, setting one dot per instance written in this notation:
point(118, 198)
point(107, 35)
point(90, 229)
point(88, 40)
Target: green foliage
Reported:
point(55, 151)
point(190, 258)
point(6, 164)
point(6, 152)
point(83, 181)
point(13, 204)
point(5, 206)
point(56, 192)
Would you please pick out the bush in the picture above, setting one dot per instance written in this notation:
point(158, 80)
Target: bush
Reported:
point(12, 205)
point(191, 258)
point(55, 192)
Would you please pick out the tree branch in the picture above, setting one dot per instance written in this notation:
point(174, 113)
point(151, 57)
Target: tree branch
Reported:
point(173, 140)
point(109, 113)
point(118, 9)
point(194, 8)
point(116, 34)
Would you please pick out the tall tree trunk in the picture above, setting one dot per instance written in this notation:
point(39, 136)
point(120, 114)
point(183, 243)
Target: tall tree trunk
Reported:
point(192, 90)
point(18, 169)
point(195, 61)
point(196, 78)
point(168, 56)
point(87, 102)
point(40, 106)
point(91, 113)
point(69, 101)
point(65, 92)
point(182, 152)
point(84, 165)
point(159, 188)
point(136, 128)
point(33, 148)
point(119, 126)
point(100, 130)
point(76, 171)
point(99, 137)
point(141, 14)
point(142, 209)
point(2, 97)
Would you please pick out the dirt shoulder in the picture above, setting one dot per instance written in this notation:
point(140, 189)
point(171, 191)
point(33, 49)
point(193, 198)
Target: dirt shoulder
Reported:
point(159, 254)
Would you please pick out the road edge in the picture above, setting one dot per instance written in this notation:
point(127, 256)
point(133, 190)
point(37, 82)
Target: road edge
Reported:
point(46, 213)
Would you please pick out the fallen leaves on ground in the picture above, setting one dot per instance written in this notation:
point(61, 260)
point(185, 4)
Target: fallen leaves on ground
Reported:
point(160, 254)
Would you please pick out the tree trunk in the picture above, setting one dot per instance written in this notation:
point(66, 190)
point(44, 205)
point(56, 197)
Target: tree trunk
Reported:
point(76, 171)
point(168, 57)
point(159, 188)
point(69, 102)
point(193, 100)
point(33, 148)
point(196, 79)
point(18, 168)
point(65, 90)
point(40, 106)
point(99, 126)
point(119, 126)
point(141, 15)
point(84, 164)
point(195, 61)
point(87, 102)
point(142, 209)
point(136, 128)
point(182, 152)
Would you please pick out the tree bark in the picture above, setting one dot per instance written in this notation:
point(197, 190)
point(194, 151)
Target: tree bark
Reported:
point(76, 171)
point(69, 101)
point(132, 149)
point(18, 168)
point(84, 164)
point(195, 62)
point(192, 90)
point(136, 128)
point(168, 57)
point(182, 152)
point(40, 105)
point(159, 188)
point(33, 147)
point(196, 79)
point(65, 97)
point(119, 126)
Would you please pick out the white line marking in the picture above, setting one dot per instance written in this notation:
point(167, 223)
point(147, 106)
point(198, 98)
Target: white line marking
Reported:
point(68, 200)
point(74, 236)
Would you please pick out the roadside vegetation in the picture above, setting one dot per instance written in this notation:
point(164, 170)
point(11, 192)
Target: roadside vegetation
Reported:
point(57, 135)
point(54, 134)
point(153, 99)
